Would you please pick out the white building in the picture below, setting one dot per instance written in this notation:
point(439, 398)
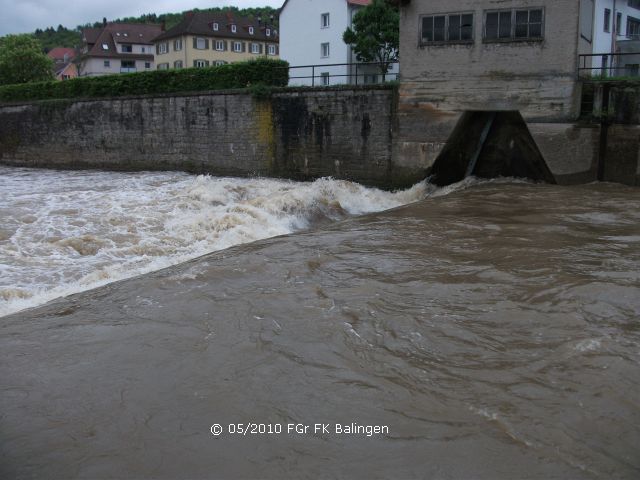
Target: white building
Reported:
point(311, 37)
point(615, 28)
point(118, 48)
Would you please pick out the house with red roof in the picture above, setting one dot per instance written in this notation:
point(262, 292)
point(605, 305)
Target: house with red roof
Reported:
point(63, 65)
point(118, 48)
point(311, 34)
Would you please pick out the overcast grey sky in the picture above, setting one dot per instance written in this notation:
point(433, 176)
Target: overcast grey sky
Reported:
point(24, 16)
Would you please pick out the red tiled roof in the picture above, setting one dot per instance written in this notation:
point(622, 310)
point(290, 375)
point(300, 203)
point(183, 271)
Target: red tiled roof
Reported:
point(90, 35)
point(201, 23)
point(59, 53)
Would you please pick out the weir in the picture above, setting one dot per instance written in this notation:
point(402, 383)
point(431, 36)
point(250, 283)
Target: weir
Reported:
point(488, 145)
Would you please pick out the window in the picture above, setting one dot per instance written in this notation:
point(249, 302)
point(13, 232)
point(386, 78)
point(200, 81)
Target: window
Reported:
point(144, 50)
point(605, 65)
point(163, 66)
point(107, 64)
point(127, 48)
point(163, 47)
point(233, 28)
point(528, 24)
point(250, 30)
point(267, 32)
point(324, 20)
point(215, 27)
point(460, 28)
point(105, 46)
point(632, 69)
point(324, 50)
point(634, 4)
point(220, 45)
point(220, 62)
point(201, 43)
point(237, 47)
point(272, 49)
point(607, 20)
point(200, 63)
point(456, 27)
point(633, 27)
point(498, 25)
point(177, 45)
point(255, 48)
point(177, 64)
point(127, 66)
point(370, 79)
point(618, 23)
point(433, 28)
point(147, 64)
point(324, 78)
point(514, 25)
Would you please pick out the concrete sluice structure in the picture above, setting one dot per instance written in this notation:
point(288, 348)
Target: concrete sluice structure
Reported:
point(509, 56)
point(489, 145)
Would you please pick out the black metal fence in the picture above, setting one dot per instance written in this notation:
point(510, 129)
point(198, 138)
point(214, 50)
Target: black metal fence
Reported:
point(359, 73)
point(609, 65)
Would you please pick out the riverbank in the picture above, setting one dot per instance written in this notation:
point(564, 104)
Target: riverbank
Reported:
point(493, 330)
point(371, 135)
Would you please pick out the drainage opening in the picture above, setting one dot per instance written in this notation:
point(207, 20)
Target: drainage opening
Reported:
point(488, 145)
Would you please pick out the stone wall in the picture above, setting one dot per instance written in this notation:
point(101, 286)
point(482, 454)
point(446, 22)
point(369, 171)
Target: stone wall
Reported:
point(298, 134)
point(302, 134)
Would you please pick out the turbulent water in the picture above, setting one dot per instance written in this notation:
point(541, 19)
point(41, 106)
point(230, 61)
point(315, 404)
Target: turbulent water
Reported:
point(65, 232)
point(492, 327)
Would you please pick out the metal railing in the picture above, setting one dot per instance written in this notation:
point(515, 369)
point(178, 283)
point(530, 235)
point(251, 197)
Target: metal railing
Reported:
point(608, 65)
point(128, 69)
point(358, 73)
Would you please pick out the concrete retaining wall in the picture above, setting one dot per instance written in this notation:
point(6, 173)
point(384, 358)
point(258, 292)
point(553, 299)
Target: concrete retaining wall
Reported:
point(363, 134)
point(300, 134)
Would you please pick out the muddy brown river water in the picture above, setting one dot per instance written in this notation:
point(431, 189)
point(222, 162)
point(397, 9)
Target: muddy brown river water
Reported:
point(494, 332)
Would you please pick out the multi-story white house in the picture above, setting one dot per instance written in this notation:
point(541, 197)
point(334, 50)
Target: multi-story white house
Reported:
point(615, 29)
point(311, 34)
point(118, 48)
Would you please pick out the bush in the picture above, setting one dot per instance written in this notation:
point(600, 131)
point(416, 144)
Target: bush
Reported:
point(262, 71)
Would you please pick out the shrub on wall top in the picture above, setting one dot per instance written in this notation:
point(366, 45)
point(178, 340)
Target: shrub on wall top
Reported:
point(235, 75)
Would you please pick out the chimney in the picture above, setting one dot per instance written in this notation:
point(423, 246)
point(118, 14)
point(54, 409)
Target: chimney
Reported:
point(188, 14)
point(104, 21)
point(163, 26)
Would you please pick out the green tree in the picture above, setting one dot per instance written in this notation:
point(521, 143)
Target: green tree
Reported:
point(22, 60)
point(375, 35)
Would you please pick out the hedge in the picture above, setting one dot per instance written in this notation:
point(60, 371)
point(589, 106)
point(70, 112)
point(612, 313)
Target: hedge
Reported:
point(234, 75)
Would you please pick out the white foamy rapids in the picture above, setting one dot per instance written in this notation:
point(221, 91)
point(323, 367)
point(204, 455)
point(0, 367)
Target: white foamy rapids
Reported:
point(66, 232)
